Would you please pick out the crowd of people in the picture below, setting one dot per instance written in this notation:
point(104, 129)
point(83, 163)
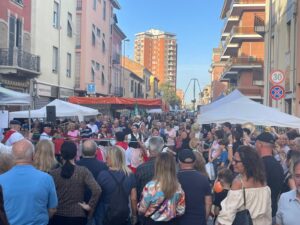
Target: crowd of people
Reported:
point(156, 169)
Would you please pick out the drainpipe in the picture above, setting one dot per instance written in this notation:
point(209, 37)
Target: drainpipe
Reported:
point(294, 55)
point(59, 50)
point(267, 103)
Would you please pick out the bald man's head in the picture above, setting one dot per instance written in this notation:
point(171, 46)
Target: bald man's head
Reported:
point(89, 148)
point(23, 151)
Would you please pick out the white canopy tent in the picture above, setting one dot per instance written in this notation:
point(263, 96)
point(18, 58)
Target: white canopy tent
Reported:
point(63, 109)
point(10, 97)
point(239, 109)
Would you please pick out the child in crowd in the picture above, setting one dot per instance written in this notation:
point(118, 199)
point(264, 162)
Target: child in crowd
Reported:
point(221, 188)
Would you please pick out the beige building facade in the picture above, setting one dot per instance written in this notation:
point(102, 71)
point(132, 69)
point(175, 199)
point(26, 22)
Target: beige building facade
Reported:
point(53, 38)
point(282, 50)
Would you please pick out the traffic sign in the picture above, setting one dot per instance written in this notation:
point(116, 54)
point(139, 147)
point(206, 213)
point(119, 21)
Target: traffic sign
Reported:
point(90, 88)
point(277, 92)
point(277, 77)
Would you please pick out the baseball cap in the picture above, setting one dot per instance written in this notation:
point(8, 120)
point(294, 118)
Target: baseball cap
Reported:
point(15, 122)
point(186, 156)
point(266, 137)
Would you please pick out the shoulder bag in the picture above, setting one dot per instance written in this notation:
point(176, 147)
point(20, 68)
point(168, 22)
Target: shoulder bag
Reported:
point(243, 217)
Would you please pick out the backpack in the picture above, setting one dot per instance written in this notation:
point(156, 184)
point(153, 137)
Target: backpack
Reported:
point(117, 212)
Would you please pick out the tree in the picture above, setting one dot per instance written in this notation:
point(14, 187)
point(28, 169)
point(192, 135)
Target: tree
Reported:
point(169, 94)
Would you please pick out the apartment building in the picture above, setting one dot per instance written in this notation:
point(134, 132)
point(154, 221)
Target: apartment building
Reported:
point(53, 38)
point(243, 46)
point(18, 64)
point(133, 84)
point(218, 87)
point(94, 21)
point(157, 51)
point(116, 78)
point(282, 47)
point(142, 72)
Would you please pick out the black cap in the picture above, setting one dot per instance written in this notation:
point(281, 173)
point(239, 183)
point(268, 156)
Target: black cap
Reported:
point(186, 156)
point(266, 137)
point(15, 122)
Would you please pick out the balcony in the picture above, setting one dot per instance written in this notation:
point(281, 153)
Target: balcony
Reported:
point(238, 35)
point(238, 6)
point(19, 62)
point(117, 91)
point(229, 22)
point(234, 65)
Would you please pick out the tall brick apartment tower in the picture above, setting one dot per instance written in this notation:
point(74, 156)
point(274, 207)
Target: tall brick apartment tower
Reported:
point(243, 46)
point(157, 51)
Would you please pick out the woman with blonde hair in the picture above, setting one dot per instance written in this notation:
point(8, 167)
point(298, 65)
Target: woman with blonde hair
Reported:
point(163, 198)
point(200, 163)
point(44, 158)
point(118, 176)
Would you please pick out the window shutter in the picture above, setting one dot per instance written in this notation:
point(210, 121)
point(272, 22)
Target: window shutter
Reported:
point(12, 28)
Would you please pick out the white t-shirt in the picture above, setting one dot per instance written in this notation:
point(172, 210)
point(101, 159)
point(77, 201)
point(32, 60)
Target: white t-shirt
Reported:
point(94, 128)
point(15, 137)
point(45, 136)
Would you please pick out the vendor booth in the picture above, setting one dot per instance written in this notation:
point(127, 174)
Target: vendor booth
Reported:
point(239, 109)
point(63, 109)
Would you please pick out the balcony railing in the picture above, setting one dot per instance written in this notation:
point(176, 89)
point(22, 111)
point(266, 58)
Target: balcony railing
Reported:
point(19, 58)
point(245, 61)
point(117, 91)
point(239, 31)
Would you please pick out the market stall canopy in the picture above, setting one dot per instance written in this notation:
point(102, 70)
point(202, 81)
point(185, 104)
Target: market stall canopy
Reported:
point(151, 103)
point(63, 109)
point(10, 97)
point(239, 109)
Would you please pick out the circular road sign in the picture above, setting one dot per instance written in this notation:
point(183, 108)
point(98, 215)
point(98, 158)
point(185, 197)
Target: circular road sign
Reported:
point(277, 77)
point(277, 92)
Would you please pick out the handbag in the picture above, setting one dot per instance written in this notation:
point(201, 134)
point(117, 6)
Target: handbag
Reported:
point(243, 217)
point(142, 219)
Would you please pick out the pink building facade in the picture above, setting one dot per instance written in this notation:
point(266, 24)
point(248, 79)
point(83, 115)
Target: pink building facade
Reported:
point(17, 64)
point(93, 55)
point(117, 75)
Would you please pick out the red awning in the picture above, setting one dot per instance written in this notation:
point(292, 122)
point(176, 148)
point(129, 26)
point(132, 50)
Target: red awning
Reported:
point(116, 101)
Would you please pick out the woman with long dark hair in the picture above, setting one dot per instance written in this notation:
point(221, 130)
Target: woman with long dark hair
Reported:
point(71, 181)
point(163, 198)
point(251, 179)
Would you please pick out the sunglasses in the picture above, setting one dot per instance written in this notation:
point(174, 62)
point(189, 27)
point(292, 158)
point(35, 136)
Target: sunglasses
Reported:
point(236, 161)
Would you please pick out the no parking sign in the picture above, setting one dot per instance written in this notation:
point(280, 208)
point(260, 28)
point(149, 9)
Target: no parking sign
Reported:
point(277, 92)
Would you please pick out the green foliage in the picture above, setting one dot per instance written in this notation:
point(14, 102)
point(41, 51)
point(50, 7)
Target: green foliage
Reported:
point(169, 94)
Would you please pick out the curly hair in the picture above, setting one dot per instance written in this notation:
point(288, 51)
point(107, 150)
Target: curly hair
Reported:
point(253, 164)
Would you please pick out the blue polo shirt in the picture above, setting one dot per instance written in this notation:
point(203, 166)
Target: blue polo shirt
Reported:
point(288, 209)
point(28, 194)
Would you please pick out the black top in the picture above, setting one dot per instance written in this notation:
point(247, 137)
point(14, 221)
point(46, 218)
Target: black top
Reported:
point(144, 174)
point(95, 167)
point(275, 177)
point(195, 187)
point(108, 184)
point(219, 197)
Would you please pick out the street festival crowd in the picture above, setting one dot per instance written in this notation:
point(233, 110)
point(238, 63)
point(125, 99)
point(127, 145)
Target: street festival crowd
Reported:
point(152, 169)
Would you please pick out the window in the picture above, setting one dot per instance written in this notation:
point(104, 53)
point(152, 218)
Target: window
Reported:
point(104, 10)
point(131, 86)
point(55, 60)
point(93, 38)
point(95, 4)
point(288, 36)
point(69, 27)
point(97, 66)
point(69, 64)
point(18, 33)
point(102, 79)
point(98, 32)
point(93, 74)
point(19, 2)
point(56, 15)
point(103, 46)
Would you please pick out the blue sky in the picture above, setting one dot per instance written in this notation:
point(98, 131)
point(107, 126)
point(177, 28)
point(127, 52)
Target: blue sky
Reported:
point(196, 23)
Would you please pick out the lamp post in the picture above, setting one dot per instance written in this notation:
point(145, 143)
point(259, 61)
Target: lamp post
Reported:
point(123, 62)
